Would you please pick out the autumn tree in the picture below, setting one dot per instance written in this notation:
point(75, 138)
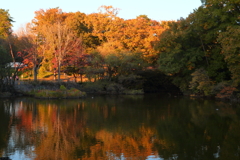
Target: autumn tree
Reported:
point(124, 44)
point(101, 23)
point(141, 35)
point(56, 34)
point(118, 61)
point(134, 35)
point(75, 62)
point(62, 40)
point(82, 28)
point(30, 49)
point(39, 26)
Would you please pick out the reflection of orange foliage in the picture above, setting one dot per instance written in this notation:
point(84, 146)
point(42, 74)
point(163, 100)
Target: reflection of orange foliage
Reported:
point(62, 133)
point(227, 111)
point(58, 133)
point(137, 145)
point(26, 119)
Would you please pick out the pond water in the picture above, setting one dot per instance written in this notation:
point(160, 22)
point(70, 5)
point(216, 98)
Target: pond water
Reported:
point(143, 127)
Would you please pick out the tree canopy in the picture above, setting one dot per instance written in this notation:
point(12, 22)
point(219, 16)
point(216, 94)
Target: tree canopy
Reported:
point(5, 23)
point(206, 42)
point(200, 53)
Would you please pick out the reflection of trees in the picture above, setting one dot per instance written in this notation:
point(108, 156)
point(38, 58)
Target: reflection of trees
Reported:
point(75, 132)
point(137, 145)
point(230, 146)
point(5, 124)
point(61, 132)
point(12, 137)
point(54, 132)
point(19, 140)
point(115, 127)
point(70, 130)
point(199, 131)
point(58, 142)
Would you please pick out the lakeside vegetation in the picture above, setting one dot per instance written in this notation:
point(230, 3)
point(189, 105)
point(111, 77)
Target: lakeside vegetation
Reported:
point(198, 54)
point(62, 92)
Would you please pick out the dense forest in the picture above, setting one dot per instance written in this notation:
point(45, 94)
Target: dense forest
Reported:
point(198, 54)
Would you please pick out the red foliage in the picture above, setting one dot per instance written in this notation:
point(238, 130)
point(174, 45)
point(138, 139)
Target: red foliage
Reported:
point(226, 92)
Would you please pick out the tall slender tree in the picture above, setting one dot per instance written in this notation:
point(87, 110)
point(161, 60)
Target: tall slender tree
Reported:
point(30, 49)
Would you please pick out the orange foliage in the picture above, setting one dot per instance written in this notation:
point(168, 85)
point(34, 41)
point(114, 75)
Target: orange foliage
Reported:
point(134, 35)
point(49, 16)
point(26, 119)
point(226, 92)
point(60, 133)
point(134, 146)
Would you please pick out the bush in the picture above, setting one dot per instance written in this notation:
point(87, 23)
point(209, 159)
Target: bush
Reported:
point(201, 83)
point(63, 88)
point(93, 87)
point(131, 81)
point(72, 93)
point(114, 88)
point(134, 92)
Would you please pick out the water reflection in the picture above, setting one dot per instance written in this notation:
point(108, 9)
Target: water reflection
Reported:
point(151, 127)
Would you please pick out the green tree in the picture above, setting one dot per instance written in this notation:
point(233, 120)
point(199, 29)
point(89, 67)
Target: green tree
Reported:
point(201, 83)
point(6, 53)
point(211, 19)
point(230, 49)
point(5, 70)
point(180, 52)
point(193, 43)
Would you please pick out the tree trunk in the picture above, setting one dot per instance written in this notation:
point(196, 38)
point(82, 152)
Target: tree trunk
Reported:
point(110, 73)
point(75, 77)
point(81, 77)
point(59, 71)
point(35, 72)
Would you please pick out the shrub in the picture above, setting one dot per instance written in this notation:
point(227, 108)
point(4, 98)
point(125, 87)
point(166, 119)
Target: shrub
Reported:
point(131, 81)
point(93, 87)
point(114, 88)
point(134, 92)
point(74, 93)
point(201, 83)
point(61, 93)
point(63, 88)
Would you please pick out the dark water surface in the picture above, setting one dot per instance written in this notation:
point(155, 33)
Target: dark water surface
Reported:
point(149, 127)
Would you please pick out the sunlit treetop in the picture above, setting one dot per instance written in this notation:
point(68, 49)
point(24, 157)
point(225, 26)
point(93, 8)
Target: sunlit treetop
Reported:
point(49, 16)
point(110, 11)
point(143, 17)
point(5, 23)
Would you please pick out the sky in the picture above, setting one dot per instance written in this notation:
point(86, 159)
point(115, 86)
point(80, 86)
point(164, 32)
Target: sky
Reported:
point(22, 11)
